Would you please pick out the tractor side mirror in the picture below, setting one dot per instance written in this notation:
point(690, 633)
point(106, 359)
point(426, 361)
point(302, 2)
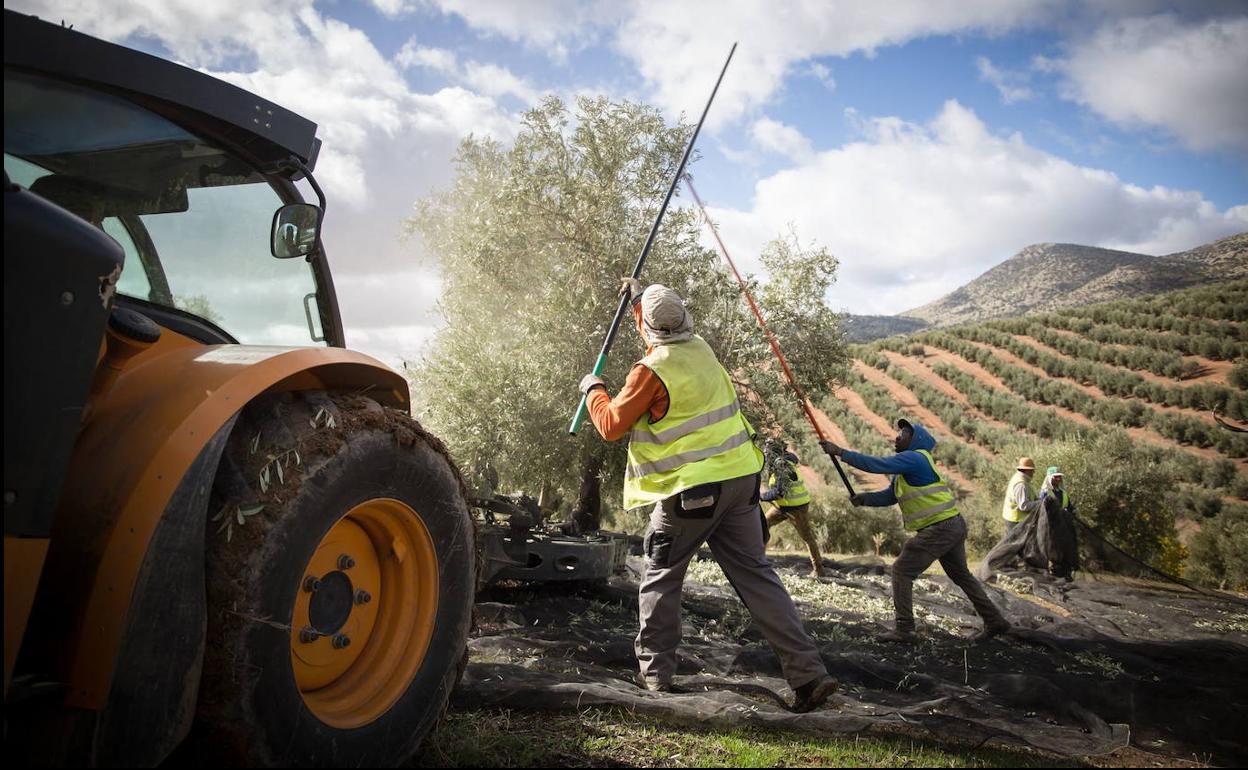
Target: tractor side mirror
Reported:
point(296, 230)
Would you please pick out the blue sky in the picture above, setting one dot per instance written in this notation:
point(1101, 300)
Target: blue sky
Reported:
point(922, 142)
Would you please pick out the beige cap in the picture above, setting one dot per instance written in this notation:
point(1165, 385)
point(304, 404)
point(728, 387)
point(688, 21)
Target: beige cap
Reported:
point(1026, 464)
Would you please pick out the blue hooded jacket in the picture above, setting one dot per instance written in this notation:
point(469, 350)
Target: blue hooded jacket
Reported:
point(908, 462)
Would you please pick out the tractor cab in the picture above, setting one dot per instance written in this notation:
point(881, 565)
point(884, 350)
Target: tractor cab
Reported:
point(197, 189)
point(215, 246)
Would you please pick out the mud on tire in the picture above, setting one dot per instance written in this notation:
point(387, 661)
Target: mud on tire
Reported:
point(335, 452)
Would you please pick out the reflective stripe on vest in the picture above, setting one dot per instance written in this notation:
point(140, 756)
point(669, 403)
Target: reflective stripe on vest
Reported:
point(926, 505)
point(702, 438)
point(797, 490)
point(1009, 510)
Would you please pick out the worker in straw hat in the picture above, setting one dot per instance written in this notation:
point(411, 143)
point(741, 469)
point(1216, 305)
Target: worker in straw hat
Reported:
point(1020, 498)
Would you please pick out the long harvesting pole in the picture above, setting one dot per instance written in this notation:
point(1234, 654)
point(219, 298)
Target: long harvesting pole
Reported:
point(601, 363)
point(771, 338)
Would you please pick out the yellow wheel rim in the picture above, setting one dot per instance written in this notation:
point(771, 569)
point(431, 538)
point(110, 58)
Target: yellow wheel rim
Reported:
point(364, 613)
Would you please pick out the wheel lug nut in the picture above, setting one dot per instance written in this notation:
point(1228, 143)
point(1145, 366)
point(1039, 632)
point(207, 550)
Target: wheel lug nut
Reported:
point(341, 641)
point(345, 562)
point(363, 597)
point(308, 635)
point(311, 583)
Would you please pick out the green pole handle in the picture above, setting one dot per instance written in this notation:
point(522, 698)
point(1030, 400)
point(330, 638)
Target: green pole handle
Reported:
point(599, 366)
point(654, 229)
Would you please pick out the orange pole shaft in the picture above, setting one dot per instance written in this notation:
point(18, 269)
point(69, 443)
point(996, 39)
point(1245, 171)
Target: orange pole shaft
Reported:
point(771, 338)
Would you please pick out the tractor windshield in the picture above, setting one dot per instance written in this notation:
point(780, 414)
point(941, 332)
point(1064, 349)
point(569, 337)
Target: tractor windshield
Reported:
point(193, 219)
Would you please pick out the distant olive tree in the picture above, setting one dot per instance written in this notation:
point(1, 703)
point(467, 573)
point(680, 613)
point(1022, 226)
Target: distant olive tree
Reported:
point(531, 241)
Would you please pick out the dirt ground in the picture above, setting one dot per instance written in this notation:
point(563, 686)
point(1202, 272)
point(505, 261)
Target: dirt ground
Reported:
point(1111, 672)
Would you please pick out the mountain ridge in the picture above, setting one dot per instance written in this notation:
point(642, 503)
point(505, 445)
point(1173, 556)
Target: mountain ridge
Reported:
point(1051, 276)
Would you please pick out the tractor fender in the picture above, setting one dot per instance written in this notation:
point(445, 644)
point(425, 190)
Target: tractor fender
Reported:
point(160, 424)
point(151, 701)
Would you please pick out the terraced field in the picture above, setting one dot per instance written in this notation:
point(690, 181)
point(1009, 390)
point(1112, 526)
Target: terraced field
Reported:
point(1169, 372)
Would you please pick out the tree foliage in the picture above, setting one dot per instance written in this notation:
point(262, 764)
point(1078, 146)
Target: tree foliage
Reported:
point(531, 241)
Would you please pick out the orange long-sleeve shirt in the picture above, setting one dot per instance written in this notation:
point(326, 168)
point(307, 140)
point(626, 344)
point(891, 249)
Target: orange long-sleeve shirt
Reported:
point(643, 392)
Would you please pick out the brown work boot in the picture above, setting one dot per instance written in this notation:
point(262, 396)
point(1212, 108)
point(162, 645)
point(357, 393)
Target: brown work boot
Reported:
point(812, 695)
point(990, 630)
point(899, 636)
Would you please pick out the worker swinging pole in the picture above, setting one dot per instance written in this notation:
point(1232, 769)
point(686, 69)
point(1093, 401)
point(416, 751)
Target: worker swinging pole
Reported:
point(771, 338)
point(601, 363)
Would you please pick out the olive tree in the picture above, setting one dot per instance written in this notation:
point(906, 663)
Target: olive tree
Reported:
point(531, 241)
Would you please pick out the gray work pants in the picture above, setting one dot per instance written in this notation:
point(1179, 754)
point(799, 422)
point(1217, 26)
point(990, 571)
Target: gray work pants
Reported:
point(732, 527)
point(946, 541)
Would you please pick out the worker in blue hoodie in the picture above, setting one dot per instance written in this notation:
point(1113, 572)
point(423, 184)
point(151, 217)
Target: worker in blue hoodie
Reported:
point(929, 509)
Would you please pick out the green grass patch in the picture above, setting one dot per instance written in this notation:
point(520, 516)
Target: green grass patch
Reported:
point(615, 738)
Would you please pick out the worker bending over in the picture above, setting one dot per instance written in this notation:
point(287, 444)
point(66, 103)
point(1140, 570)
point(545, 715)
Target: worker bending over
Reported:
point(789, 498)
point(692, 457)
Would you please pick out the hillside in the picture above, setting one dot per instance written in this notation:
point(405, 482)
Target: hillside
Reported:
point(864, 328)
point(1116, 388)
point(1052, 276)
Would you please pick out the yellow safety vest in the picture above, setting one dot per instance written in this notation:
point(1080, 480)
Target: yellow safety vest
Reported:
point(1010, 511)
point(703, 437)
point(797, 490)
point(925, 505)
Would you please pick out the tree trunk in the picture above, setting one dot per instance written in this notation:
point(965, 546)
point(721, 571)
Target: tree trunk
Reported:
point(587, 513)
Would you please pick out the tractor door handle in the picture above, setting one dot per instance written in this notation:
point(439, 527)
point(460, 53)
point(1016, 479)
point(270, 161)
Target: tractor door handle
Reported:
point(307, 311)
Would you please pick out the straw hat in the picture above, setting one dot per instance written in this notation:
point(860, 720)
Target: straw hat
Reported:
point(1026, 464)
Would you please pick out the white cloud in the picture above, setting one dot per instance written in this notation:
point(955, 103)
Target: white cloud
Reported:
point(1188, 77)
point(489, 79)
point(554, 26)
point(823, 74)
point(1010, 85)
point(392, 315)
point(393, 8)
point(413, 54)
point(773, 136)
point(678, 47)
point(913, 209)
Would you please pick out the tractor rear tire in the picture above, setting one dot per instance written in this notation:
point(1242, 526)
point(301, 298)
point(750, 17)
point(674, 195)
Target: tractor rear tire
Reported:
point(340, 586)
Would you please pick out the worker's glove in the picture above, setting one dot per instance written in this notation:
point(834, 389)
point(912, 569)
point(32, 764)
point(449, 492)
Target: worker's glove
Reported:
point(858, 499)
point(630, 288)
point(832, 449)
point(591, 381)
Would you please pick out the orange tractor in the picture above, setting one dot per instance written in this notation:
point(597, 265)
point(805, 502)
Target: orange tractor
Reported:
point(215, 515)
